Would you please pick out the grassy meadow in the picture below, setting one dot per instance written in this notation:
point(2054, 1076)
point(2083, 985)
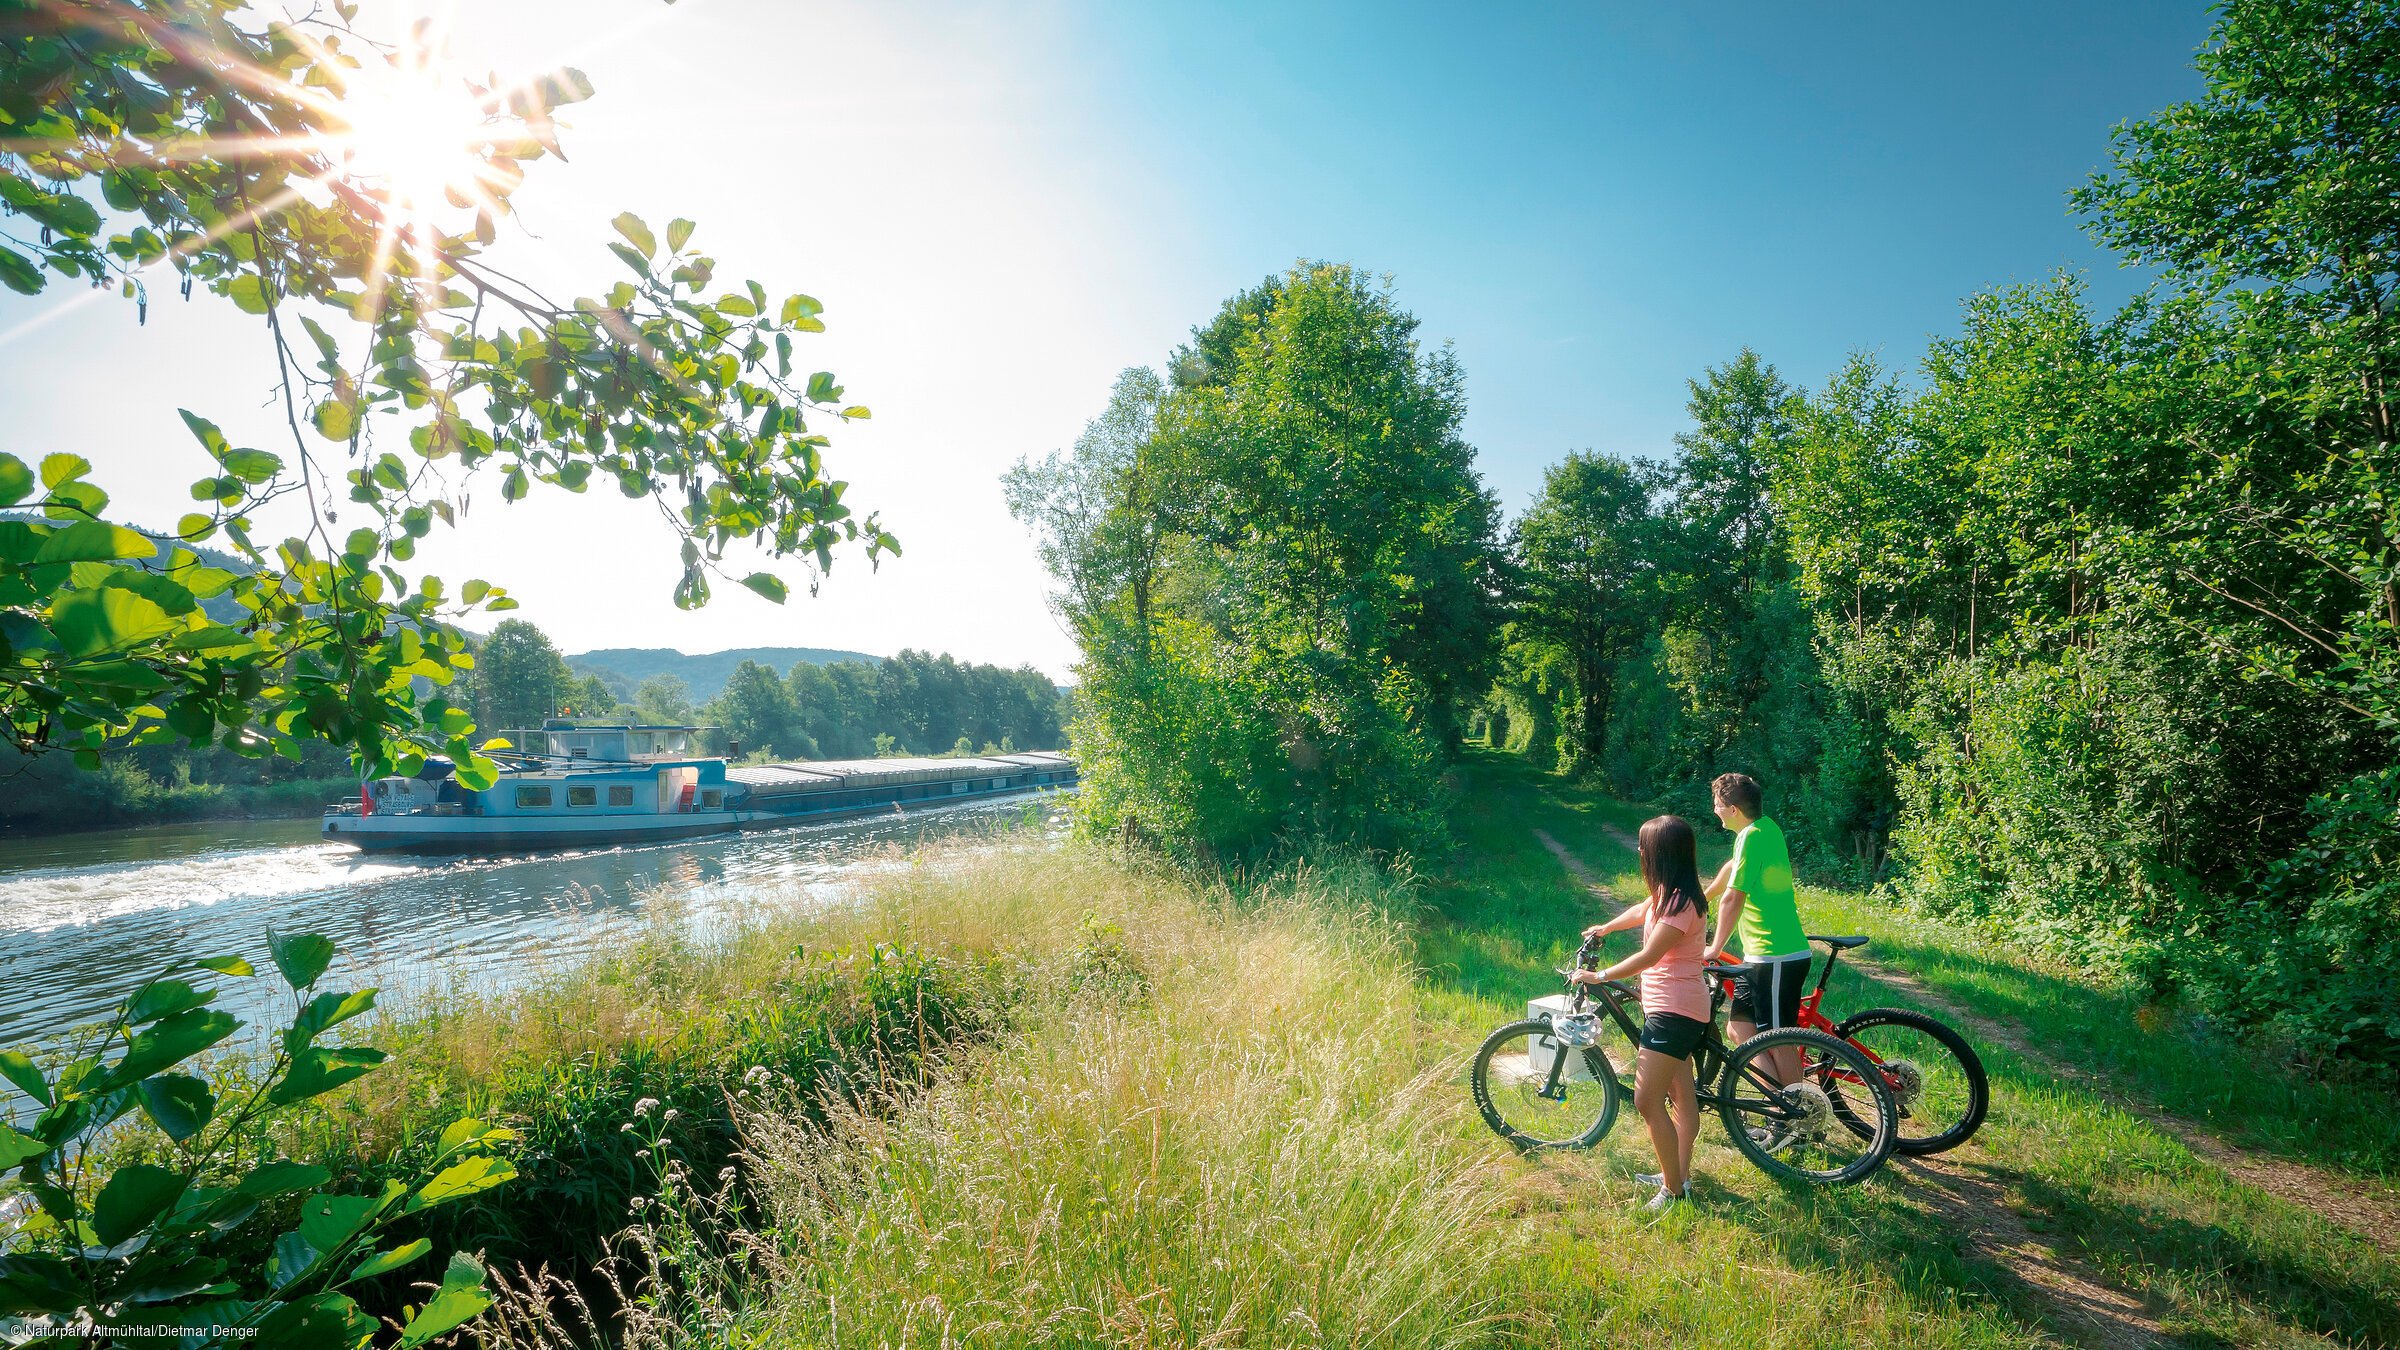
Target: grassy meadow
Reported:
point(1023, 1094)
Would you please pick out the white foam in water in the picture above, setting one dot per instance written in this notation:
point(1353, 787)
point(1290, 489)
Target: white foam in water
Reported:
point(44, 898)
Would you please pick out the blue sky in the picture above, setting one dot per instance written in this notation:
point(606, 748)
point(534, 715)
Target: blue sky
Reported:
point(1003, 205)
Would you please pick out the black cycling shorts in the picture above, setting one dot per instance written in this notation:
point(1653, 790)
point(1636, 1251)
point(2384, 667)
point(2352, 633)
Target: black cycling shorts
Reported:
point(1768, 993)
point(1672, 1034)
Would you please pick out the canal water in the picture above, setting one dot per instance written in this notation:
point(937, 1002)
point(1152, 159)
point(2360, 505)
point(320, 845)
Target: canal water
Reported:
point(86, 918)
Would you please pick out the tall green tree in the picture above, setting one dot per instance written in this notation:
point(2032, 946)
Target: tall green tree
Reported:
point(410, 371)
point(1282, 570)
point(1582, 553)
point(520, 677)
point(757, 711)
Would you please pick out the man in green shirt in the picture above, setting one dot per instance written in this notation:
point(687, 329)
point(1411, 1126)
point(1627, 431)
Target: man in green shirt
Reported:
point(1754, 898)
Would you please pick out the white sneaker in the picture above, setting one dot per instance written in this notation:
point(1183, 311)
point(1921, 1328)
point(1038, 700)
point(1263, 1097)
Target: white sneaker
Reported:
point(1656, 1181)
point(1663, 1201)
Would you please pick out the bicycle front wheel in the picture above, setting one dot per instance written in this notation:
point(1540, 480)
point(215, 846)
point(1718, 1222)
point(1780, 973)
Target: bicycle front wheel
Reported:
point(1936, 1079)
point(1795, 1132)
point(1539, 1094)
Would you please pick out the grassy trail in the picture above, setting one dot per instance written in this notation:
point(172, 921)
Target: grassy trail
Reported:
point(2080, 1212)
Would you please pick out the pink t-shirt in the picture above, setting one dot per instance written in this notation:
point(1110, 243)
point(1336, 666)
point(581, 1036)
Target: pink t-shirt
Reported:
point(1674, 985)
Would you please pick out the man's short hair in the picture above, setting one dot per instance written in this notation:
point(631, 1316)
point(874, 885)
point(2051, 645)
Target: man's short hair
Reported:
point(1739, 791)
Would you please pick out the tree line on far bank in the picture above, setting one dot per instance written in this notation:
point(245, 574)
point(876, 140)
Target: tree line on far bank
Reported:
point(912, 703)
point(2087, 629)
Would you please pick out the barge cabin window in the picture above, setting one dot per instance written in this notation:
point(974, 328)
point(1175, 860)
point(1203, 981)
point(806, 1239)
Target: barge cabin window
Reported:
point(620, 796)
point(712, 800)
point(533, 794)
point(583, 794)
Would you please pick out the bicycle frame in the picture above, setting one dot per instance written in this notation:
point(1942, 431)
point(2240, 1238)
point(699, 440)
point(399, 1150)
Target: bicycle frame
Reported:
point(1708, 1059)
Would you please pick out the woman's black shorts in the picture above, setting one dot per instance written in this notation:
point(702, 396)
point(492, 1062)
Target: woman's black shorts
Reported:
point(1672, 1034)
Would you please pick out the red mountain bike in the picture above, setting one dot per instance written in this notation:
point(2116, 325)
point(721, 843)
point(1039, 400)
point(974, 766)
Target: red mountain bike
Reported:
point(1934, 1075)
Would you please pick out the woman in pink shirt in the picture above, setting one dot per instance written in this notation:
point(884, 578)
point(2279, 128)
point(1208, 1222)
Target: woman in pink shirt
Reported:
point(1674, 922)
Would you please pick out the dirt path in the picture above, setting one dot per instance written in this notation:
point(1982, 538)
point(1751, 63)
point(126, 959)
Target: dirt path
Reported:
point(2067, 1292)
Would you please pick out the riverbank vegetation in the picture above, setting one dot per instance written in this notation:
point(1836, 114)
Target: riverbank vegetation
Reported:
point(1202, 1110)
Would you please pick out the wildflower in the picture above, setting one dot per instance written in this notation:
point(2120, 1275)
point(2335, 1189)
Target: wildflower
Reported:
point(640, 1203)
point(626, 1128)
point(644, 1154)
point(758, 1075)
point(669, 1117)
point(645, 1106)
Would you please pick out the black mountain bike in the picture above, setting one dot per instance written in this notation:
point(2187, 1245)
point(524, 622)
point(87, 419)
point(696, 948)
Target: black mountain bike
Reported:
point(1558, 1080)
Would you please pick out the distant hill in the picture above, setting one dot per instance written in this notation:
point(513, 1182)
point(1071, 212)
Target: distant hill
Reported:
point(706, 673)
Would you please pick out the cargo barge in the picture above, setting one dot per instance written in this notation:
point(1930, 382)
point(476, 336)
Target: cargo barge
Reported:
point(575, 784)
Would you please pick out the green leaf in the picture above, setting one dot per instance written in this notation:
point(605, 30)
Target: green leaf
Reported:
point(822, 389)
point(16, 481)
point(467, 1176)
point(336, 420)
point(268, 1180)
point(171, 1041)
point(136, 1194)
point(18, 1067)
point(248, 293)
point(19, 273)
point(90, 622)
point(459, 1300)
point(636, 234)
point(385, 1262)
point(512, 484)
point(319, 1069)
point(679, 233)
point(162, 998)
point(226, 965)
point(178, 1104)
point(93, 541)
point(62, 468)
point(252, 466)
point(737, 306)
point(468, 1130)
point(767, 584)
point(798, 307)
point(327, 1222)
point(16, 1146)
point(325, 1322)
point(633, 258)
point(302, 957)
point(329, 1010)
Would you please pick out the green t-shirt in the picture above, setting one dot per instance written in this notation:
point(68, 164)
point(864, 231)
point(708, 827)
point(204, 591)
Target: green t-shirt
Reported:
point(1762, 872)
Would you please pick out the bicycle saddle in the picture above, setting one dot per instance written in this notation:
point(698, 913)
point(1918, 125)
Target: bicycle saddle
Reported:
point(1839, 944)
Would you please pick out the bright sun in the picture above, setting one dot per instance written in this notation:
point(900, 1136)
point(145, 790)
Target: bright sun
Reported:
point(415, 134)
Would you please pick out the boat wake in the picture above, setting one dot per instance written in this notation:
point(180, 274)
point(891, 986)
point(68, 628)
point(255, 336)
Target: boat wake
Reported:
point(43, 898)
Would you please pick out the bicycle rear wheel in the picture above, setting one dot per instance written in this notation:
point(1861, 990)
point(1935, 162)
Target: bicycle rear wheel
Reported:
point(1935, 1077)
point(1538, 1094)
point(1804, 1139)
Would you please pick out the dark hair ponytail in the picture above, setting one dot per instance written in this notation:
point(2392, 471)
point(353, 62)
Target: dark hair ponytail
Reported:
point(1671, 867)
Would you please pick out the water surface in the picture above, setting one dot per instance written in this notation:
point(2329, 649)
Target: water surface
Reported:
point(86, 918)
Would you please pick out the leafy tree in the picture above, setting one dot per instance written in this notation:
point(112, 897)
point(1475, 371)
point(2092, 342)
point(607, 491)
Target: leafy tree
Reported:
point(2272, 204)
point(1282, 573)
point(1582, 556)
point(520, 677)
point(410, 369)
point(756, 709)
point(663, 700)
point(590, 696)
